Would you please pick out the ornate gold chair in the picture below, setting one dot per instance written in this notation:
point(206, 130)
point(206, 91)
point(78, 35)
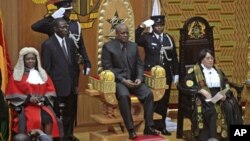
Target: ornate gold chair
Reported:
point(103, 87)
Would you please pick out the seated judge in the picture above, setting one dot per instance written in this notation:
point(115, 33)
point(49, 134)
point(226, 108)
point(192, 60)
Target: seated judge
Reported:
point(30, 91)
point(216, 116)
point(121, 57)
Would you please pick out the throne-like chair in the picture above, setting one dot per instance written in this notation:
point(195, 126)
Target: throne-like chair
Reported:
point(103, 87)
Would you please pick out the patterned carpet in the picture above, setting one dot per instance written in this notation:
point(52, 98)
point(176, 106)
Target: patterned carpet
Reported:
point(84, 136)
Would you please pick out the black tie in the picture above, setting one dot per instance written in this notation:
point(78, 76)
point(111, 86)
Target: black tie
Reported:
point(124, 50)
point(64, 49)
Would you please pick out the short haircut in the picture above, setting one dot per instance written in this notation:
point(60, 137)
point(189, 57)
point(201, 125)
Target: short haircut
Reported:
point(56, 21)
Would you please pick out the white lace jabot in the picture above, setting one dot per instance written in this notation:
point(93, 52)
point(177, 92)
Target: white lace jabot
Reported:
point(211, 76)
point(34, 77)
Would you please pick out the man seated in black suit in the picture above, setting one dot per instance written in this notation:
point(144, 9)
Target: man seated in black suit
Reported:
point(122, 58)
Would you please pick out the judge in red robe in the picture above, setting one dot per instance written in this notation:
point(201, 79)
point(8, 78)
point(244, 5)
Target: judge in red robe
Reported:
point(30, 91)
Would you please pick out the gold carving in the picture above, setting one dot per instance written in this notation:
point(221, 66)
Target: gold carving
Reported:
point(158, 71)
point(110, 98)
point(196, 30)
point(39, 1)
point(106, 82)
point(107, 75)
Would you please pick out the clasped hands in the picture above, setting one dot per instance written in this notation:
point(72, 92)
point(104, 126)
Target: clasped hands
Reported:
point(130, 84)
point(37, 100)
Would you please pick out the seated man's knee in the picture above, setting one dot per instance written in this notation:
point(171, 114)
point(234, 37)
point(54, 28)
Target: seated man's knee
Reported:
point(122, 96)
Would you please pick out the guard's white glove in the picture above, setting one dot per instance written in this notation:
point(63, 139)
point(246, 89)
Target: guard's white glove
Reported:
point(60, 12)
point(86, 72)
point(147, 23)
point(176, 79)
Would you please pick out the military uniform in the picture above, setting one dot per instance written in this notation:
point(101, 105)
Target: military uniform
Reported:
point(159, 52)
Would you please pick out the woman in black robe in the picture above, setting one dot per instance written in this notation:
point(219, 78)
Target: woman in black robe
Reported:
point(214, 115)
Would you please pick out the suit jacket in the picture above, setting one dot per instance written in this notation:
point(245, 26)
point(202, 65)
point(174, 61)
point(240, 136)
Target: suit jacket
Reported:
point(46, 26)
point(112, 60)
point(63, 72)
point(152, 47)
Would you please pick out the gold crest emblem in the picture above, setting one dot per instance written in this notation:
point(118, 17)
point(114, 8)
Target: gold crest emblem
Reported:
point(189, 83)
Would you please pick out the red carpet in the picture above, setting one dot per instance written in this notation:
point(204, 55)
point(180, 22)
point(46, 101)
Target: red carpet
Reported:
point(149, 138)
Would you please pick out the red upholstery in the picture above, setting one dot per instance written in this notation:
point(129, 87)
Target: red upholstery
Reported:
point(147, 72)
point(149, 138)
point(96, 77)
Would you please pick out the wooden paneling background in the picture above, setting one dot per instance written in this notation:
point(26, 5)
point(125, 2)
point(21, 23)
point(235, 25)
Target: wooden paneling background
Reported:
point(231, 22)
point(19, 15)
point(230, 19)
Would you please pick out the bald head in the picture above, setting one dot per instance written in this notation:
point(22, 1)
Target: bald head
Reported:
point(21, 137)
point(122, 33)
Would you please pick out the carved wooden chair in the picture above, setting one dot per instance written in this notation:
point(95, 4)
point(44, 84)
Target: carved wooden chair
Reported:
point(195, 35)
point(103, 87)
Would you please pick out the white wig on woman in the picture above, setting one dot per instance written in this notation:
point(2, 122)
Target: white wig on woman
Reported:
point(19, 68)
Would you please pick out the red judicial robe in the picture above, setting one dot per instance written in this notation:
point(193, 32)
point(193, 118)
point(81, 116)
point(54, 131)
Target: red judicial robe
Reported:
point(20, 90)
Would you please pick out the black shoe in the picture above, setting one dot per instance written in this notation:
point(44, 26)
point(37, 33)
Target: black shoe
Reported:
point(132, 134)
point(150, 131)
point(165, 132)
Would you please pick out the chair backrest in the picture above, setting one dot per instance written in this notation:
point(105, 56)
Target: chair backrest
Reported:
point(195, 35)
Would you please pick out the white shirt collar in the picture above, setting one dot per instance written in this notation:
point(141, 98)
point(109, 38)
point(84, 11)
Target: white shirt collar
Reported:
point(211, 77)
point(157, 35)
point(59, 39)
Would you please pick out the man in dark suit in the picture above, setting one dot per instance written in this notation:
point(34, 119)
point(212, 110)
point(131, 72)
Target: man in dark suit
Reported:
point(45, 26)
point(159, 49)
point(122, 58)
point(59, 60)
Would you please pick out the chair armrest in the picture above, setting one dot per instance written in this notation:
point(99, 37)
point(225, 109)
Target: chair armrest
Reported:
point(187, 90)
point(237, 87)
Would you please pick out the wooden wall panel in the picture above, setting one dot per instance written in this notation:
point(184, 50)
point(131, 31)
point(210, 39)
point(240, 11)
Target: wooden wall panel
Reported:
point(230, 19)
point(9, 9)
